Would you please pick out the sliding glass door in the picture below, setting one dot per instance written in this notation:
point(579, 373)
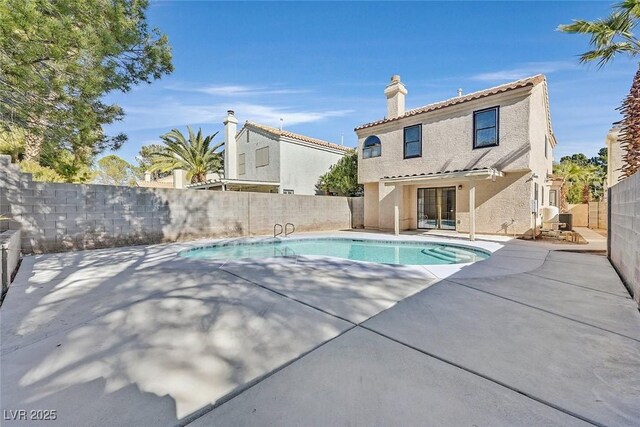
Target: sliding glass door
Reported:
point(437, 208)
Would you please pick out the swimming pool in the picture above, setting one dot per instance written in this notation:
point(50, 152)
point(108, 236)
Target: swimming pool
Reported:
point(381, 251)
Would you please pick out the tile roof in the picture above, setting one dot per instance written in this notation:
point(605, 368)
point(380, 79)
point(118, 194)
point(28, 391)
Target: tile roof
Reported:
point(303, 138)
point(154, 184)
point(529, 81)
point(446, 172)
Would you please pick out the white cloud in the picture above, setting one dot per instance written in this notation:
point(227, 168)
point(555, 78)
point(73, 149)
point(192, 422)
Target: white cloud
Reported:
point(235, 90)
point(172, 114)
point(526, 70)
point(271, 115)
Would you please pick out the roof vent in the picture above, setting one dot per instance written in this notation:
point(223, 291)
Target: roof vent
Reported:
point(459, 91)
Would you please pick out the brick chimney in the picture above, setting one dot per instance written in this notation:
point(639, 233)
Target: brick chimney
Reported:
point(230, 149)
point(395, 94)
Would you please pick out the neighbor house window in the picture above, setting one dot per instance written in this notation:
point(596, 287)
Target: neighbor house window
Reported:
point(413, 141)
point(553, 198)
point(241, 164)
point(371, 147)
point(485, 127)
point(262, 157)
point(285, 191)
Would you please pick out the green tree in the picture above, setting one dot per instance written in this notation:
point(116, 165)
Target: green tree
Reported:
point(602, 159)
point(196, 155)
point(342, 178)
point(578, 159)
point(58, 58)
point(39, 172)
point(113, 170)
point(608, 37)
point(577, 181)
point(12, 141)
point(145, 159)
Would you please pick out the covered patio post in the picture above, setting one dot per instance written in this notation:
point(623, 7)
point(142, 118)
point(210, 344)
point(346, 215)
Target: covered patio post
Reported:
point(397, 190)
point(472, 210)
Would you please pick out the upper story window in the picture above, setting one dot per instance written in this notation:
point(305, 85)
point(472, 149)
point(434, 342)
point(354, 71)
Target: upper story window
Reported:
point(413, 141)
point(371, 147)
point(485, 127)
point(262, 157)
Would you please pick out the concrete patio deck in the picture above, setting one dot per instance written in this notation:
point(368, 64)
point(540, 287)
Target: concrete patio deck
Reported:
point(140, 336)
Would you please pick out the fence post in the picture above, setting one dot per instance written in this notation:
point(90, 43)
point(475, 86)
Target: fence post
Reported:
point(609, 204)
point(5, 274)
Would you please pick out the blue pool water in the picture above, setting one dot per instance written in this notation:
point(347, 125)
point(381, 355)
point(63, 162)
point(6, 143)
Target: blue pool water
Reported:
point(387, 252)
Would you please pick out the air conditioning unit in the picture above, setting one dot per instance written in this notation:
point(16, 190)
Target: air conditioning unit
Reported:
point(566, 221)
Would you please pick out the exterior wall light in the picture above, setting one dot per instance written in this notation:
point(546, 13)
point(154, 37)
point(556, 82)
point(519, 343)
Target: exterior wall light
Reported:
point(459, 186)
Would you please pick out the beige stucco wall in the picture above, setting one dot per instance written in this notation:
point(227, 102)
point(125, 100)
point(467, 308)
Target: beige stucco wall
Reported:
point(615, 153)
point(371, 205)
point(447, 140)
point(580, 214)
point(500, 209)
point(301, 166)
point(540, 164)
point(502, 206)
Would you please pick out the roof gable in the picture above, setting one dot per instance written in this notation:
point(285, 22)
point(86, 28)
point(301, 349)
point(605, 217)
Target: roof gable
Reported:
point(529, 81)
point(286, 134)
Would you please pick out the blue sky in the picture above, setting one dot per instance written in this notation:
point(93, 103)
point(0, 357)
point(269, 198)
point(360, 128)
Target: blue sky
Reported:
point(323, 66)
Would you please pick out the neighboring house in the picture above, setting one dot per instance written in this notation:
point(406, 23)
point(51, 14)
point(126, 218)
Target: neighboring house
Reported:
point(177, 179)
point(473, 163)
point(615, 154)
point(265, 159)
point(168, 181)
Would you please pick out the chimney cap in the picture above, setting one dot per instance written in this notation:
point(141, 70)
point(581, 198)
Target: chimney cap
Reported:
point(230, 112)
point(395, 78)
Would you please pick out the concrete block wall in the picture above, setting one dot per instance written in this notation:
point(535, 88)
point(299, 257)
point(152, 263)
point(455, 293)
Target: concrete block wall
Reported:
point(58, 217)
point(624, 232)
point(598, 215)
point(9, 258)
point(580, 213)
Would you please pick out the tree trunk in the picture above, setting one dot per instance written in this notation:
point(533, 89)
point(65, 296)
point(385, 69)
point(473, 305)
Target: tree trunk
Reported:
point(32, 147)
point(630, 132)
point(585, 193)
point(564, 207)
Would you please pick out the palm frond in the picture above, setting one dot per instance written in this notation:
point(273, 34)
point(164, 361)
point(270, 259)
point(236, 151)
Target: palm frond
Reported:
point(609, 36)
point(195, 154)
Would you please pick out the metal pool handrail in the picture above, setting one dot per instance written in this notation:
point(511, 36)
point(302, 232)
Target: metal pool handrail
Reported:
point(293, 229)
point(274, 230)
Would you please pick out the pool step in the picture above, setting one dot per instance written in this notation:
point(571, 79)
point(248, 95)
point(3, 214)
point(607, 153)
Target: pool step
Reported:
point(449, 254)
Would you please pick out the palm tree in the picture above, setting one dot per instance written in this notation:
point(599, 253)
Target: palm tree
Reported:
point(195, 155)
point(611, 36)
point(576, 182)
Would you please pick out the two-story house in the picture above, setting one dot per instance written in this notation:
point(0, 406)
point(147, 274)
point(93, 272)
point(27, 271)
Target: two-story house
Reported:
point(476, 163)
point(261, 158)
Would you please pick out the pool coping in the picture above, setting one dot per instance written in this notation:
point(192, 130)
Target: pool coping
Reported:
point(494, 266)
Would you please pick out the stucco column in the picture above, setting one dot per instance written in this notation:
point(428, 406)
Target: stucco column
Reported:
point(472, 210)
point(179, 178)
point(397, 199)
point(230, 149)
